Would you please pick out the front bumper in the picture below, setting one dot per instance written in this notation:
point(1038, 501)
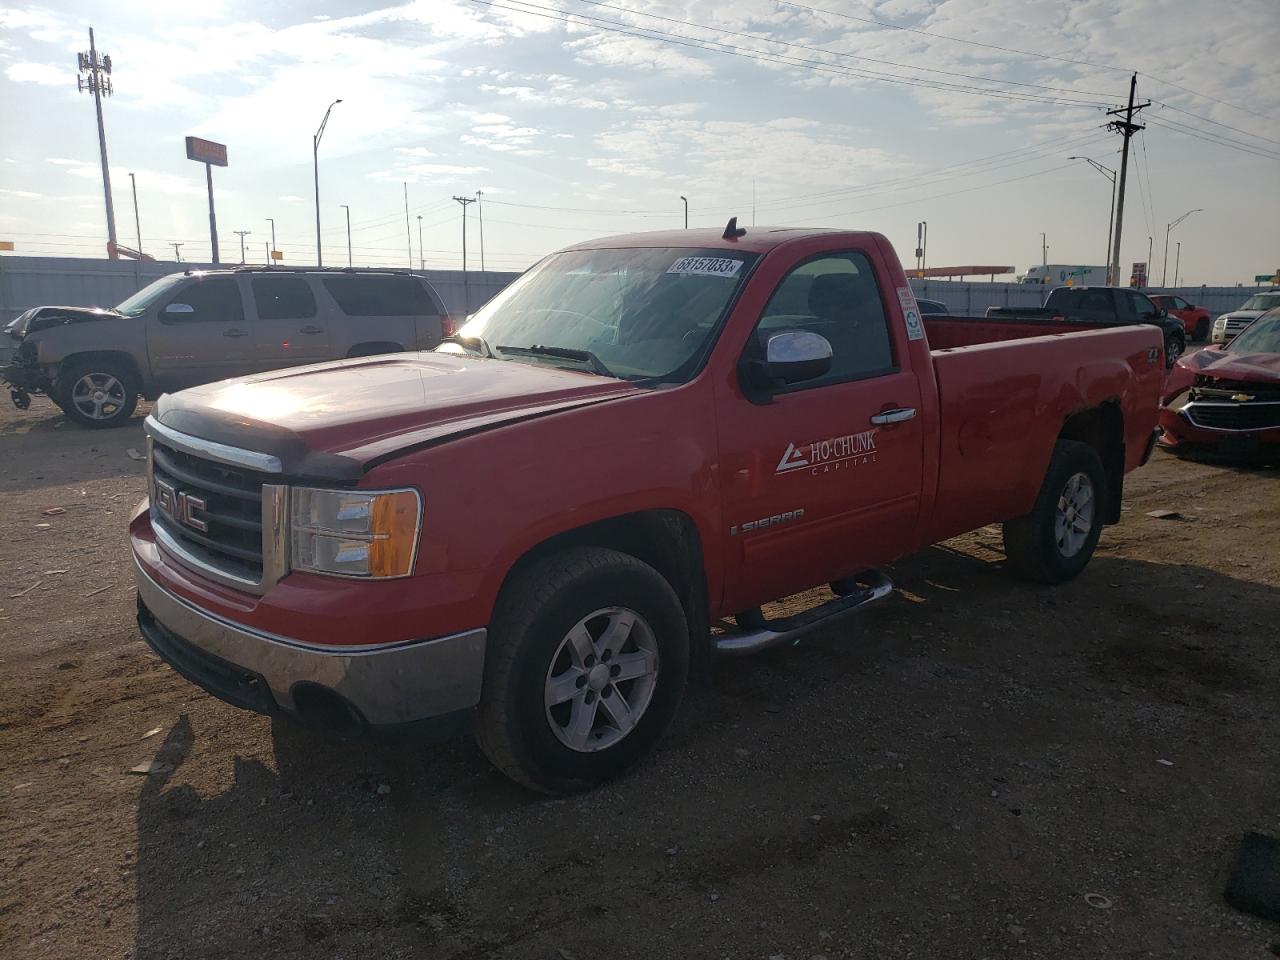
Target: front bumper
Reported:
point(1179, 434)
point(25, 377)
point(428, 686)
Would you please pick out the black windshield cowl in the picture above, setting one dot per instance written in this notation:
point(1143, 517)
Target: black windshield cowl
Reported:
point(563, 353)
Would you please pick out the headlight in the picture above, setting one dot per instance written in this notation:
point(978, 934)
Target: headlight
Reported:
point(354, 533)
point(1220, 323)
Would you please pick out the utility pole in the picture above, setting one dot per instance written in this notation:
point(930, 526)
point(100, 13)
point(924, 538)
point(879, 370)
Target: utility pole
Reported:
point(271, 221)
point(1110, 175)
point(315, 160)
point(1126, 128)
point(422, 257)
point(348, 209)
point(924, 247)
point(1044, 251)
point(136, 222)
point(1164, 273)
point(686, 211)
point(242, 234)
point(176, 255)
point(480, 212)
point(268, 246)
point(408, 237)
point(466, 285)
point(1150, 247)
point(919, 246)
point(98, 82)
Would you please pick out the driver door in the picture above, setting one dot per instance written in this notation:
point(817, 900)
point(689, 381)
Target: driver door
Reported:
point(199, 334)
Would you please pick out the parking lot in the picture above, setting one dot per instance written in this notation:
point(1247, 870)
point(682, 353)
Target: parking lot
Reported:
point(977, 769)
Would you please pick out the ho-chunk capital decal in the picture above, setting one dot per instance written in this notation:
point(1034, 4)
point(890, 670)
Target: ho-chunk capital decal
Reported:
point(831, 453)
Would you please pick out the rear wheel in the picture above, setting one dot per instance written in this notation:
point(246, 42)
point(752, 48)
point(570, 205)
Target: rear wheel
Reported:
point(96, 393)
point(1055, 541)
point(1175, 344)
point(588, 658)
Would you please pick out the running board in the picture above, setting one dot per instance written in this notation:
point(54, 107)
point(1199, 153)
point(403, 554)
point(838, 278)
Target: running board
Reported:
point(863, 591)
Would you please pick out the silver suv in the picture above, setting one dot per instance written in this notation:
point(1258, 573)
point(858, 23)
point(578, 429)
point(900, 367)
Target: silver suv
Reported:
point(195, 327)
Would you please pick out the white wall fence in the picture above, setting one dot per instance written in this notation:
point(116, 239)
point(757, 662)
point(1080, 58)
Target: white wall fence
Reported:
point(27, 282)
point(68, 281)
point(972, 299)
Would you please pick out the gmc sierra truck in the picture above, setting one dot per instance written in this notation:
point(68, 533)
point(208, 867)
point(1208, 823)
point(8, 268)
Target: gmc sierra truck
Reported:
point(606, 475)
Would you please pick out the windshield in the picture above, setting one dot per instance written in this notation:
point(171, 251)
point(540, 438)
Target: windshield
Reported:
point(635, 313)
point(1262, 301)
point(137, 305)
point(1261, 336)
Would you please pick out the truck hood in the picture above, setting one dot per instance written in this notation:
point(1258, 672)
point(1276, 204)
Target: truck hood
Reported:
point(1243, 315)
point(334, 420)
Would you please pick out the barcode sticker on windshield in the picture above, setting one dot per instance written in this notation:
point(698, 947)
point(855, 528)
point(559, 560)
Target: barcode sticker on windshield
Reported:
point(706, 267)
point(911, 311)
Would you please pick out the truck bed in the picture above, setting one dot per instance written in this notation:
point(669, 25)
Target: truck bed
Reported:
point(1005, 390)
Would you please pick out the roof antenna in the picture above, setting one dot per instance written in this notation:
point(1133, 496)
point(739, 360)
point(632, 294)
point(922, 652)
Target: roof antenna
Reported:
point(732, 231)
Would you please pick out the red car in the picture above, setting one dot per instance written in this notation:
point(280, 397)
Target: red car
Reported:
point(1226, 399)
point(1197, 321)
point(532, 531)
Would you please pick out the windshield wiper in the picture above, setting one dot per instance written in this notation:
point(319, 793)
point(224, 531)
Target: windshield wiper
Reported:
point(471, 342)
point(564, 353)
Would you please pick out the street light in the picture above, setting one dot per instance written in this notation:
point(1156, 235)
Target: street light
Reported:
point(1177, 262)
point(1110, 175)
point(348, 209)
point(1164, 273)
point(422, 257)
point(271, 220)
point(686, 212)
point(136, 222)
point(315, 160)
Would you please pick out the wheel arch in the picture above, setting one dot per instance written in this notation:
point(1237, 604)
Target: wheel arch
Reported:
point(140, 382)
point(1102, 427)
point(666, 539)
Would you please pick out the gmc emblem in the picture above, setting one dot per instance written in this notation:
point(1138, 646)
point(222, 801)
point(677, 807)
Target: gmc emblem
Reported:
point(180, 506)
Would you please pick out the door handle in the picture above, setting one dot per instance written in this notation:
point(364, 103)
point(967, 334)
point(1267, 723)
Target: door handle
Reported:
point(312, 329)
point(899, 415)
point(234, 333)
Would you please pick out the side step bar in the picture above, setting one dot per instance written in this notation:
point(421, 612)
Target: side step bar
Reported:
point(865, 590)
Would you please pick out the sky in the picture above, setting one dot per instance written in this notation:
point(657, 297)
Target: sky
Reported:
point(577, 119)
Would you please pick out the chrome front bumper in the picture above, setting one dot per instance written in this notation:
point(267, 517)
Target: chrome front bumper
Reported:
point(388, 685)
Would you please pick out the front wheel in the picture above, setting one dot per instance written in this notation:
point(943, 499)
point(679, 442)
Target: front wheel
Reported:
point(96, 393)
point(1055, 541)
point(1174, 346)
point(588, 658)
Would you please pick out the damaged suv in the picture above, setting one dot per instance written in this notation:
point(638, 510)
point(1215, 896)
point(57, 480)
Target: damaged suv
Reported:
point(196, 327)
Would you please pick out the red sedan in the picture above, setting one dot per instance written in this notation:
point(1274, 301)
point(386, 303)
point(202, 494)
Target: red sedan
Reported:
point(1197, 321)
point(1226, 399)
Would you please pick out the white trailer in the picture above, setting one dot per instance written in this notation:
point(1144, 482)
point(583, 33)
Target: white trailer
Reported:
point(1065, 275)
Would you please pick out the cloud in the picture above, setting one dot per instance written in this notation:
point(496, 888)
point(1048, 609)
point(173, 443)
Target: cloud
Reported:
point(41, 73)
point(437, 173)
point(21, 194)
point(292, 199)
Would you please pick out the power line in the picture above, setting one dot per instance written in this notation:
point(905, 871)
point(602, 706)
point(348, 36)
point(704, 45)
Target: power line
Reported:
point(1210, 138)
point(1216, 123)
point(715, 46)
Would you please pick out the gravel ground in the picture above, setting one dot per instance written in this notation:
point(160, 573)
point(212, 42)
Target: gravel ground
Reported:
point(956, 775)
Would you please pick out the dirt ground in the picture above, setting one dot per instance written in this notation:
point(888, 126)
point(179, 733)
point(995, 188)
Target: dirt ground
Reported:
point(950, 777)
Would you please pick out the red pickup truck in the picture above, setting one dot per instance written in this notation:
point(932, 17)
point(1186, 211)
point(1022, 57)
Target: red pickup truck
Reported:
point(534, 530)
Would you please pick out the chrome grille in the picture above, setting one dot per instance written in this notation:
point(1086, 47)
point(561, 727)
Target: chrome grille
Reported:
point(213, 512)
point(1234, 416)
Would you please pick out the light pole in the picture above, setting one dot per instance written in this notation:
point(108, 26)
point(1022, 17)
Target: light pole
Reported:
point(686, 212)
point(136, 222)
point(480, 213)
point(315, 161)
point(271, 220)
point(348, 209)
point(1177, 261)
point(1044, 251)
point(1150, 243)
point(1110, 175)
point(1164, 273)
point(422, 257)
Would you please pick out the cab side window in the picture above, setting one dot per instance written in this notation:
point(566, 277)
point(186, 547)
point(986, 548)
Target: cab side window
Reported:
point(215, 300)
point(835, 296)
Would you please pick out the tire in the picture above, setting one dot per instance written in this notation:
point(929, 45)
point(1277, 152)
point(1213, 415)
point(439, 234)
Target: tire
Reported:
point(97, 393)
point(1037, 547)
point(1175, 345)
point(532, 660)
point(1202, 330)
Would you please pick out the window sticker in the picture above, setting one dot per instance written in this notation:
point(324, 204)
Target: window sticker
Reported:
point(706, 267)
point(910, 310)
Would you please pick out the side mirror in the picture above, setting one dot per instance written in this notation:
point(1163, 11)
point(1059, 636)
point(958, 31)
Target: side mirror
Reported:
point(177, 308)
point(1162, 311)
point(790, 356)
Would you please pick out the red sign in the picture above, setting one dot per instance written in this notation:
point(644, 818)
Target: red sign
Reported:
point(206, 151)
